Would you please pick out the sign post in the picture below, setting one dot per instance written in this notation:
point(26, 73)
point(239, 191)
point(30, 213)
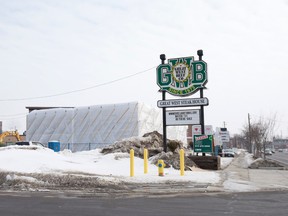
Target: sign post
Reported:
point(182, 77)
point(200, 54)
point(163, 58)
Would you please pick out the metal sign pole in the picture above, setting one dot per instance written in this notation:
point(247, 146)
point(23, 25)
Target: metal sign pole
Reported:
point(163, 58)
point(200, 54)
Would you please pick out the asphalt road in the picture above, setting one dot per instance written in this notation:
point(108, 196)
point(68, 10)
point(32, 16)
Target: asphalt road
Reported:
point(281, 157)
point(35, 204)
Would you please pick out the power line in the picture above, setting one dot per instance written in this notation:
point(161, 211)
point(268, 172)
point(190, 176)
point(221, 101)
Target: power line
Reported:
point(14, 118)
point(78, 90)
point(12, 115)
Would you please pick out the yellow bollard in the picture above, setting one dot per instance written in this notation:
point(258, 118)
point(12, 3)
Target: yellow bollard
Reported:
point(161, 167)
point(131, 162)
point(182, 164)
point(145, 161)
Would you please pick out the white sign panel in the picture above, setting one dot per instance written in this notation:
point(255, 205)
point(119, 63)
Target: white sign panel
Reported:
point(225, 137)
point(183, 102)
point(196, 130)
point(209, 130)
point(182, 117)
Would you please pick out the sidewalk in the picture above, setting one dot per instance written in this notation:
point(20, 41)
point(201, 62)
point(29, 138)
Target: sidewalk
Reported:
point(237, 177)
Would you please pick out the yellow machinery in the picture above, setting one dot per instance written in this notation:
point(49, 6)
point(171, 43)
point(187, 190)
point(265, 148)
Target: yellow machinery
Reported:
point(9, 133)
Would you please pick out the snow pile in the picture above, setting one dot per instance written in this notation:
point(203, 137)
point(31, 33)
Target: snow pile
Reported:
point(261, 163)
point(38, 168)
point(225, 162)
point(248, 160)
point(36, 164)
point(153, 142)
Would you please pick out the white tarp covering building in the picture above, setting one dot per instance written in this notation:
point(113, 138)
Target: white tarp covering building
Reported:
point(90, 127)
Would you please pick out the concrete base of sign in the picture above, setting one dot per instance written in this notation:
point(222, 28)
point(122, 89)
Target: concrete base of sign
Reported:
point(207, 162)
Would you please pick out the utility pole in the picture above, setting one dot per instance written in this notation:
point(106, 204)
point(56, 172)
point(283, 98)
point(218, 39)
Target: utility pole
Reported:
point(249, 127)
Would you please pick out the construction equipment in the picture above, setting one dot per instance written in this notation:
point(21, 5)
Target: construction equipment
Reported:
point(9, 133)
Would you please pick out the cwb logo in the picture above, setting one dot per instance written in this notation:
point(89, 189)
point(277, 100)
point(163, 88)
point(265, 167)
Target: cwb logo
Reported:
point(182, 76)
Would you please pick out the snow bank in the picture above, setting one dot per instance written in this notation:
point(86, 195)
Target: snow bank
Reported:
point(34, 159)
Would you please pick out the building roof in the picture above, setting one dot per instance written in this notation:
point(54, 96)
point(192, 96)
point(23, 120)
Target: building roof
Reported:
point(31, 108)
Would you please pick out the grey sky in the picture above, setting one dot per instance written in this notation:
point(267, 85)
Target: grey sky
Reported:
point(51, 47)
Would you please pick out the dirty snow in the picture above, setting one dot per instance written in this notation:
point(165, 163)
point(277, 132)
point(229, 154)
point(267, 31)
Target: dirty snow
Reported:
point(23, 163)
point(28, 159)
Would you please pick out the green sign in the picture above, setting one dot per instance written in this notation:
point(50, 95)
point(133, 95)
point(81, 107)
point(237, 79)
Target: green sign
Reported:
point(203, 143)
point(182, 76)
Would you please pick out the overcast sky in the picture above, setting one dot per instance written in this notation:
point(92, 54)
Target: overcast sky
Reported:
point(52, 47)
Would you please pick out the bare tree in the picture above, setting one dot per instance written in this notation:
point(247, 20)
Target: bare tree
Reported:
point(260, 134)
point(238, 141)
point(268, 127)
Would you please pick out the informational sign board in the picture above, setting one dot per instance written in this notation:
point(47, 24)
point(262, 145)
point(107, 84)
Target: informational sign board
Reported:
point(183, 102)
point(196, 130)
point(203, 143)
point(209, 130)
point(225, 137)
point(183, 117)
point(224, 134)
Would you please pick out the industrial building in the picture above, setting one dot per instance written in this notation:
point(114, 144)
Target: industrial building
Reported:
point(90, 127)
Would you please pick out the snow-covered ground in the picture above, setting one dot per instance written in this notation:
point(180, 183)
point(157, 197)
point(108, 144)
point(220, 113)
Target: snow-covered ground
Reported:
point(34, 159)
point(23, 163)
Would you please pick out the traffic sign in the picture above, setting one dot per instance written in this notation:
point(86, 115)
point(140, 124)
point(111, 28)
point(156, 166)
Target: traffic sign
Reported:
point(183, 102)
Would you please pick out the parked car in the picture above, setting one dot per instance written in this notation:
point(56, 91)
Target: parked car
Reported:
point(226, 153)
point(25, 143)
point(280, 150)
point(268, 152)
